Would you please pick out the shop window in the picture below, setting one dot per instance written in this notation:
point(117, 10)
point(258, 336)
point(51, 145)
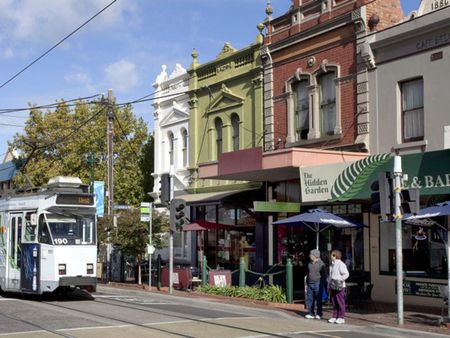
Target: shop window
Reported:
point(327, 101)
point(412, 110)
point(219, 140)
point(235, 122)
point(184, 149)
point(301, 109)
point(171, 148)
point(423, 250)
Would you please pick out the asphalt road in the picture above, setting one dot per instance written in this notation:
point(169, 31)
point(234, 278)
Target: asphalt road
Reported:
point(125, 313)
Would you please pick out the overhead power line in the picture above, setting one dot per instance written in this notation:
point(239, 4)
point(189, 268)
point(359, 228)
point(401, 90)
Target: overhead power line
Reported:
point(57, 44)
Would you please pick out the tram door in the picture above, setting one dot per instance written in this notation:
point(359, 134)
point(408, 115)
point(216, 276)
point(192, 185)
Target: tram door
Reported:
point(14, 250)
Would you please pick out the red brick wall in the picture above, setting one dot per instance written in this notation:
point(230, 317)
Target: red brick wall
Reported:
point(389, 12)
point(339, 48)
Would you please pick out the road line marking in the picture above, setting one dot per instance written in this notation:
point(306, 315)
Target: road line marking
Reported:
point(225, 318)
point(22, 332)
point(95, 327)
point(169, 322)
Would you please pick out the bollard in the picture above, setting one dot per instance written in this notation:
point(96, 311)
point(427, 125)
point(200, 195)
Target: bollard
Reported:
point(158, 272)
point(242, 273)
point(289, 282)
point(204, 271)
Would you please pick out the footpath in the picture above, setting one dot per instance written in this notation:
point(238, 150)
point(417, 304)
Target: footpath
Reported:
point(379, 315)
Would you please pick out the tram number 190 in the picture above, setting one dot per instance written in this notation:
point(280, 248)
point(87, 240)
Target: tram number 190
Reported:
point(59, 241)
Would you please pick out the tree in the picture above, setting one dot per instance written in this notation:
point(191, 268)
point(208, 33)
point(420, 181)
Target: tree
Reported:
point(59, 142)
point(130, 236)
point(147, 166)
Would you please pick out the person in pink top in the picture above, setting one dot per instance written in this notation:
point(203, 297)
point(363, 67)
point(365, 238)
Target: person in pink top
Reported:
point(336, 284)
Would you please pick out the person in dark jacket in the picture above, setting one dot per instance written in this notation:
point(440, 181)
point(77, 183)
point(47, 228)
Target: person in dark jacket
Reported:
point(315, 279)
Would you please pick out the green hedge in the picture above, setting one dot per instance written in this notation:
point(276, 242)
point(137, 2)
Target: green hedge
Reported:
point(269, 293)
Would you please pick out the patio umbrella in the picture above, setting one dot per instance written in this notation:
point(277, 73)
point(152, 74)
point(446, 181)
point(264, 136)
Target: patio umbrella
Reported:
point(439, 209)
point(318, 220)
point(424, 215)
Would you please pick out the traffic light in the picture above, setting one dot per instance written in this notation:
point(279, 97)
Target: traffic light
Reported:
point(410, 201)
point(382, 197)
point(165, 189)
point(177, 214)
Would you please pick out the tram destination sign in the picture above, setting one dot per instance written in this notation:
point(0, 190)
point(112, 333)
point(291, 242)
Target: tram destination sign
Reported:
point(75, 199)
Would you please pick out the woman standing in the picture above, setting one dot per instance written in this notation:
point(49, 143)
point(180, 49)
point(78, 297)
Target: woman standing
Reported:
point(338, 275)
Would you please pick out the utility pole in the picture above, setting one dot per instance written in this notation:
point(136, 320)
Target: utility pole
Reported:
point(110, 173)
point(398, 175)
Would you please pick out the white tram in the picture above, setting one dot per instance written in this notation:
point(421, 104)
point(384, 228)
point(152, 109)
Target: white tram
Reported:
point(48, 238)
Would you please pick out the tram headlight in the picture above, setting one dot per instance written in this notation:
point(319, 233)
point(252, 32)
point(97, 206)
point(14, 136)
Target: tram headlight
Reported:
point(90, 268)
point(62, 269)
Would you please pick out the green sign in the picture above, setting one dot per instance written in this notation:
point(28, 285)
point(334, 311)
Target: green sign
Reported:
point(145, 211)
point(261, 206)
point(429, 172)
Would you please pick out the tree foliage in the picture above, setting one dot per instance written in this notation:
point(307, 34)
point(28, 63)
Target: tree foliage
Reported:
point(59, 142)
point(131, 235)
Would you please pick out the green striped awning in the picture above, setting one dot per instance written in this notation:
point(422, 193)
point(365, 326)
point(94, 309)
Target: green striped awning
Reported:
point(353, 182)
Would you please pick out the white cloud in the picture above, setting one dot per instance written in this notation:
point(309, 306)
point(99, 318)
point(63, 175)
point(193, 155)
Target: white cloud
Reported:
point(81, 78)
point(8, 53)
point(122, 76)
point(47, 21)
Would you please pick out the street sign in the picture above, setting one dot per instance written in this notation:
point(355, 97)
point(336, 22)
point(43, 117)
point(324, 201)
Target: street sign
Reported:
point(262, 206)
point(150, 249)
point(145, 211)
point(122, 207)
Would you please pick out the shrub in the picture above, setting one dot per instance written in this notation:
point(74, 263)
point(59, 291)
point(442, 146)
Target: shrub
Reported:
point(269, 293)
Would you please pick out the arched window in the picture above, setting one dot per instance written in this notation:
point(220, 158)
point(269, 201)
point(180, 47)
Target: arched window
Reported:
point(184, 137)
point(219, 141)
point(327, 102)
point(235, 125)
point(171, 147)
point(301, 109)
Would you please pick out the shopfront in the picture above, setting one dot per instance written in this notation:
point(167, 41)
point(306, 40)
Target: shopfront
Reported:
point(424, 243)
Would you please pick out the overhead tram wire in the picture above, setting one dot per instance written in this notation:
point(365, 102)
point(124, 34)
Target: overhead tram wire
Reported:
point(12, 125)
point(48, 106)
point(57, 44)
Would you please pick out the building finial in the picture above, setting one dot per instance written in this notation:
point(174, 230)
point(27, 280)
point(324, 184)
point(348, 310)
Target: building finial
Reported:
point(194, 55)
point(269, 10)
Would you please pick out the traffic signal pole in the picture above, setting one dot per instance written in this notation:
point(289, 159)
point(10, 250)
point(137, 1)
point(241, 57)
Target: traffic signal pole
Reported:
point(398, 174)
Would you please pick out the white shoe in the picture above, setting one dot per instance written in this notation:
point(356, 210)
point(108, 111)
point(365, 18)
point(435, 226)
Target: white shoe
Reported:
point(340, 321)
point(308, 316)
point(317, 317)
point(332, 320)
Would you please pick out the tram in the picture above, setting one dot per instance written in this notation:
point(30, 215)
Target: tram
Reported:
point(48, 238)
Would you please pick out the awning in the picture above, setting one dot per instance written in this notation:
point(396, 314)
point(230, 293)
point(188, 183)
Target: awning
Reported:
point(210, 197)
point(429, 171)
point(200, 225)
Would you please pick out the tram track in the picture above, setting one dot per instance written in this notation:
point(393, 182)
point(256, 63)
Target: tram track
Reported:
point(151, 326)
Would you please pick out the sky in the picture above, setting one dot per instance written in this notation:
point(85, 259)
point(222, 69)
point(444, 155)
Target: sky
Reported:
point(121, 49)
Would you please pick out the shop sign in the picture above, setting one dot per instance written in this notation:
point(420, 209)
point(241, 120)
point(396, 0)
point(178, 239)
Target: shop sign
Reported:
point(262, 206)
point(430, 172)
point(317, 181)
point(421, 289)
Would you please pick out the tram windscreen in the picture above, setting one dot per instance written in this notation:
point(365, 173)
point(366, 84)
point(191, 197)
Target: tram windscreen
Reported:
point(76, 230)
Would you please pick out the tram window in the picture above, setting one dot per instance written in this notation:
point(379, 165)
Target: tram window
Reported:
point(30, 229)
point(19, 242)
point(43, 233)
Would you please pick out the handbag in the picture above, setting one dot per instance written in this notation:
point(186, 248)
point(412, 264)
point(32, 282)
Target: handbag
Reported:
point(336, 284)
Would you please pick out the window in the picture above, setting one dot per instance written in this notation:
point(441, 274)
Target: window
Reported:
point(184, 137)
point(235, 126)
point(327, 101)
point(301, 109)
point(219, 141)
point(424, 250)
point(412, 110)
point(171, 147)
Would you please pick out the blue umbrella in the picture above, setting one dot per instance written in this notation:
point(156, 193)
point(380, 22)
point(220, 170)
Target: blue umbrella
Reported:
point(439, 209)
point(318, 220)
